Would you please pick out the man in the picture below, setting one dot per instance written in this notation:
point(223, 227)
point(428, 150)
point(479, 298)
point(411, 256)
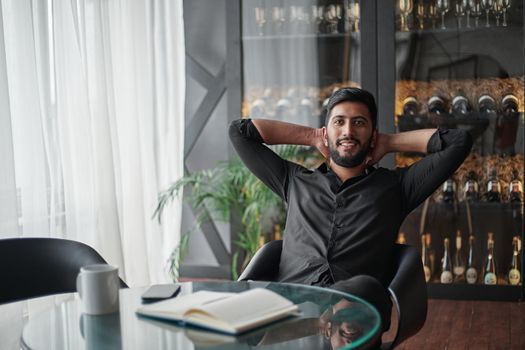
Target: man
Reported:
point(343, 217)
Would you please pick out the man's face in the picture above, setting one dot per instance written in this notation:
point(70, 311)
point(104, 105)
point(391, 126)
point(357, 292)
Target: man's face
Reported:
point(349, 134)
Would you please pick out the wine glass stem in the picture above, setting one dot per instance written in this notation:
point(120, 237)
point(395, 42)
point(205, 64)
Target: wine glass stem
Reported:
point(468, 20)
point(487, 24)
point(443, 20)
point(505, 18)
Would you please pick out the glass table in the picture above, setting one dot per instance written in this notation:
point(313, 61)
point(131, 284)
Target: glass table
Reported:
point(328, 320)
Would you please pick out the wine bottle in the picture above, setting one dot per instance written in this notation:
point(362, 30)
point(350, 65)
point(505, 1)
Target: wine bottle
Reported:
point(431, 254)
point(283, 109)
point(507, 125)
point(458, 263)
point(425, 257)
point(472, 269)
point(436, 105)
point(410, 107)
point(515, 188)
point(461, 106)
point(449, 191)
point(487, 106)
point(490, 275)
point(258, 109)
point(509, 104)
point(305, 110)
point(493, 187)
point(446, 264)
point(471, 189)
point(514, 275)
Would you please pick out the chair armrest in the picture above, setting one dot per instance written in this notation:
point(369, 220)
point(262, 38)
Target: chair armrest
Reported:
point(264, 266)
point(408, 290)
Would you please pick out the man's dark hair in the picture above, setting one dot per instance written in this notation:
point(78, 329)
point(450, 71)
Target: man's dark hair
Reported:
point(351, 94)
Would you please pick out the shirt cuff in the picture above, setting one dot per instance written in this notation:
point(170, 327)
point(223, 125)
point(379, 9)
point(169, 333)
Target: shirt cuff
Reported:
point(247, 129)
point(436, 143)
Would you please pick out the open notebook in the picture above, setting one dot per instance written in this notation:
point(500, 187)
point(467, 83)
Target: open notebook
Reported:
point(231, 313)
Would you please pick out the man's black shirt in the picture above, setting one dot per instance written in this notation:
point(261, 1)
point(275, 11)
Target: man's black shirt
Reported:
point(337, 230)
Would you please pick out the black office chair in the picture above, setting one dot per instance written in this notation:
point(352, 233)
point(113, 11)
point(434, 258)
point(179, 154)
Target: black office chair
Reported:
point(406, 285)
point(33, 267)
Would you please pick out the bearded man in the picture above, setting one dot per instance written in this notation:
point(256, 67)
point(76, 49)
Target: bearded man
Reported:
point(343, 217)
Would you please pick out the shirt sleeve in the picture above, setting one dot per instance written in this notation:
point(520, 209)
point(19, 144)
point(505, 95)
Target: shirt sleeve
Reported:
point(269, 167)
point(446, 150)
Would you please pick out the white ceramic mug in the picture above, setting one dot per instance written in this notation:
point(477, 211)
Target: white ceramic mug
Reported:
point(98, 287)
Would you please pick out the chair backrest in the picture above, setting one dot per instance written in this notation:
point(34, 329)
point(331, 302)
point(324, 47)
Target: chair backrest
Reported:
point(408, 290)
point(32, 267)
point(264, 265)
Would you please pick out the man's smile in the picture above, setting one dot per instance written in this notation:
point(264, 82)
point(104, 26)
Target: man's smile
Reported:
point(347, 143)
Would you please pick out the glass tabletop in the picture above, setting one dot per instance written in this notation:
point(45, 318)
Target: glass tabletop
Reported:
point(328, 320)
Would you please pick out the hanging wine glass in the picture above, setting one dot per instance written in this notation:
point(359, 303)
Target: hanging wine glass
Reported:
point(405, 6)
point(318, 17)
point(476, 11)
point(433, 15)
point(505, 5)
point(260, 18)
point(469, 5)
point(331, 18)
point(487, 6)
point(303, 18)
point(459, 11)
point(352, 14)
point(278, 17)
point(421, 14)
point(497, 9)
point(442, 7)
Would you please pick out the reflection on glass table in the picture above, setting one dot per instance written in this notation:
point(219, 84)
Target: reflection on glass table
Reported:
point(329, 320)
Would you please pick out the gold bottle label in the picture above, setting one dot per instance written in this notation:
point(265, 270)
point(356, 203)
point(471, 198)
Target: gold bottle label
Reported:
point(446, 277)
point(514, 277)
point(472, 275)
point(427, 273)
point(458, 243)
point(458, 270)
point(490, 278)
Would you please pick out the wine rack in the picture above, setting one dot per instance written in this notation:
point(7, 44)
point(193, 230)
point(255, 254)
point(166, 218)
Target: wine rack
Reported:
point(296, 52)
point(470, 76)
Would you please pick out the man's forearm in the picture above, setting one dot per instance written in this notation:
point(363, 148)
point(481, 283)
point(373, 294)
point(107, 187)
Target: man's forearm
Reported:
point(408, 141)
point(276, 132)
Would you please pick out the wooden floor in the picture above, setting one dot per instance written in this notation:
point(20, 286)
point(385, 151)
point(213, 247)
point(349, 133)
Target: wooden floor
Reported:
point(470, 325)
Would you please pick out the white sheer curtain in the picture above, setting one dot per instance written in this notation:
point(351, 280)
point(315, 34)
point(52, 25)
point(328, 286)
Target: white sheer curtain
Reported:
point(91, 125)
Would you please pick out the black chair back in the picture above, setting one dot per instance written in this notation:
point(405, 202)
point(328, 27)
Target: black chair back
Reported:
point(408, 290)
point(32, 267)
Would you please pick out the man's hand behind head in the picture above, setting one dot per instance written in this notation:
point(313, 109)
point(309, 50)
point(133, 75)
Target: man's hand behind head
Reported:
point(378, 149)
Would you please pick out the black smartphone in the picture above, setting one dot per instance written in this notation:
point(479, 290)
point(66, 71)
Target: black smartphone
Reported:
point(160, 292)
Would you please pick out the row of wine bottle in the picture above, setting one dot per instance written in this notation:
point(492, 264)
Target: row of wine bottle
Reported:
point(493, 190)
point(454, 268)
point(460, 106)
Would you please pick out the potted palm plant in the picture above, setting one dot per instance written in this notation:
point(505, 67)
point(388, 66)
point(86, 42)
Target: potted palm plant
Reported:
point(231, 189)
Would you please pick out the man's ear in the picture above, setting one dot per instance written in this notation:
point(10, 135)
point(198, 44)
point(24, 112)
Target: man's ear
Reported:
point(374, 138)
point(325, 136)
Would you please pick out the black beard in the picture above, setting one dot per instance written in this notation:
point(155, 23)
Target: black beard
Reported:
point(349, 161)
